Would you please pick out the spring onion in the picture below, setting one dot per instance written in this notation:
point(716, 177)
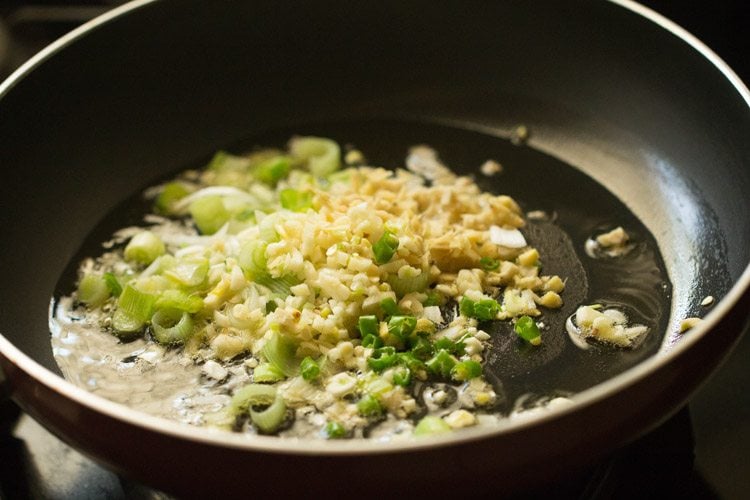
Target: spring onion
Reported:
point(252, 258)
point(406, 285)
point(209, 214)
point(385, 248)
point(281, 286)
point(309, 369)
point(272, 170)
point(251, 395)
point(93, 290)
point(115, 288)
point(401, 376)
point(334, 430)
point(466, 370)
point(280, 351)
point(169, 195)
point(267, 373)
point(171, 326)
point(527, 329)
point(269, 420)
point(223, 161)
point(124, 325)
point(294, 200)
point(409, 360)
point(144, 248)
point(175, 299)
point(188, 272)
point(431, 425)
point(369, 406)
point(137, 304)
point(323, 156)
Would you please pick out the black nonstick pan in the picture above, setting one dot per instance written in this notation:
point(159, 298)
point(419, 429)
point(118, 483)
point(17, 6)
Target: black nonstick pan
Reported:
point(631, 121)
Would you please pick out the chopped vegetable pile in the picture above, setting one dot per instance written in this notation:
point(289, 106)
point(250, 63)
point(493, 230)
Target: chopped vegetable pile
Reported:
point(340, 288)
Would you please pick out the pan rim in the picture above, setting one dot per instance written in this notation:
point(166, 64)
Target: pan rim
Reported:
point(266, 444)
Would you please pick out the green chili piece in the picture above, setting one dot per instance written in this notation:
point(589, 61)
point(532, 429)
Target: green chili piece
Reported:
point(389, 306)
point(433, 299)
point(421, 348)
point(402, 326)
point(368, 325)
point(489, 264)
point(370, 340)
point(447, 344)
point(466, 307)
point(401, 376)
point(486, 309)
point(382, 358)
point(466, 370)
point(441, 364)
point(385, 248)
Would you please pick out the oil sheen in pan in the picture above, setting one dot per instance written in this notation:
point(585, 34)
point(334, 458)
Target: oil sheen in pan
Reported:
point(576, 208)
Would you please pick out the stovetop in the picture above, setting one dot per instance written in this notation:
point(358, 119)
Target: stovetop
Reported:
point(701, 452)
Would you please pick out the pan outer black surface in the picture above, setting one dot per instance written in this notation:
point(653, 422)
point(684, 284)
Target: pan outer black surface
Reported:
point(166, 83)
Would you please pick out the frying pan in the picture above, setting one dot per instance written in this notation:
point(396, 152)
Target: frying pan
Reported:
point(608, 89)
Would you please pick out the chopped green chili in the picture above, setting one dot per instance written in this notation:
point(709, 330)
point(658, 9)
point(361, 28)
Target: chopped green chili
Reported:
point(389, 306)
point(489, 264)
point(385, 248)
point(382, 358)
point(441, 364)
point(401, 326)
point(466, 370)
point(368, 325)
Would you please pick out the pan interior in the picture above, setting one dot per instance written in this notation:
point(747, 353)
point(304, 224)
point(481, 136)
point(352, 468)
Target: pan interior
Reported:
point(577, 208)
